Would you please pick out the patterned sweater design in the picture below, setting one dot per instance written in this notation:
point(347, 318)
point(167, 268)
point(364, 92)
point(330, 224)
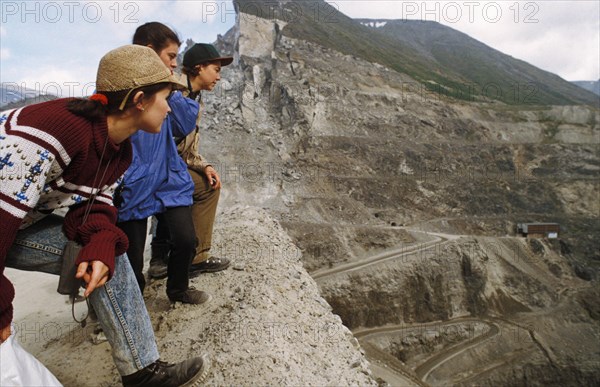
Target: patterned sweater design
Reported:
point(49, 158)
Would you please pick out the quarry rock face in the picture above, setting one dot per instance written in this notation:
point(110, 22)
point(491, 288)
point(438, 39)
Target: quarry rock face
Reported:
point(355, 159)
point(331, 142)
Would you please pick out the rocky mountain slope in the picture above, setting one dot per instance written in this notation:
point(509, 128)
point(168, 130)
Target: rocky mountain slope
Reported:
point(441, 59)
point(337, 143)
point(266, 322)
point(352, 162)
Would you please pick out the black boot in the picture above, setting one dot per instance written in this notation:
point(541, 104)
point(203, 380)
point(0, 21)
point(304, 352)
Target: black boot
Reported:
point(188, 373)
point(159, 259)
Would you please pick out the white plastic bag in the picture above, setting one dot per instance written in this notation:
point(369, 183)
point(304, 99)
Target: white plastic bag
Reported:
point(19, 368)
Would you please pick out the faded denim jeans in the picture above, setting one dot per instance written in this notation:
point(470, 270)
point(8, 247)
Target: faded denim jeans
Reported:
point(119, 304)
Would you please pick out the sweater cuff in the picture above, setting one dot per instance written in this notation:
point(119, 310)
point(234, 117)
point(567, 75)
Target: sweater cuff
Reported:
point(7, 294)
point(103, 246)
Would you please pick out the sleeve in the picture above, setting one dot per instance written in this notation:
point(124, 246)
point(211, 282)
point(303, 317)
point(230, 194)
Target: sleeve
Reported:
point(7, 291)
point(188, 150)
point(24, 166)
point(101, 239)
point(184, 112)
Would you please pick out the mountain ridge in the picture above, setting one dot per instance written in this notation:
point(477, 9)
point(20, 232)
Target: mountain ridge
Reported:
point(321, 23)
point(13, 95)
point(472, 54)
point(593, 86)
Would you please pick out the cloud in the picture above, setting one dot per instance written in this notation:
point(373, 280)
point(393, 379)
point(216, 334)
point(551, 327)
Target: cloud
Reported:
point(67, 52)
point(2, 31)
point(4, 53)
point(198, 11)
point(60, 81)
point(558, 36)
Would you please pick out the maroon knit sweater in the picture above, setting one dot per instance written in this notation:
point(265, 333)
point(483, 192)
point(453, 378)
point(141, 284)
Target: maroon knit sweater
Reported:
point(48, 160)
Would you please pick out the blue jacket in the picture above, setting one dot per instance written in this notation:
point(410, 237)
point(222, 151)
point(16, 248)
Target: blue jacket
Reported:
point(158, 178)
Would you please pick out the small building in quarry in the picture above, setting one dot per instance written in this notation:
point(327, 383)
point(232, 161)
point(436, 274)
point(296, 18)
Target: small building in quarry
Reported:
point(539, 230)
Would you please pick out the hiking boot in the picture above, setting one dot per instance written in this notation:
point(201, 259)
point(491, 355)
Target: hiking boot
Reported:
point(158, 260)
point(188, 373)
point(211, 265)
point(190, 296)
point(158, 269)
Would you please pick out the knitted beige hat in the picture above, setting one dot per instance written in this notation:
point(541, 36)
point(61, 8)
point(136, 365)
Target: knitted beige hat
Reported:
point(130, 67)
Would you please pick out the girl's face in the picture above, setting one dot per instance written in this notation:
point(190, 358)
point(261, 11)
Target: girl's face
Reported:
point(155, 111)
point(208, 77)
point(169, 55)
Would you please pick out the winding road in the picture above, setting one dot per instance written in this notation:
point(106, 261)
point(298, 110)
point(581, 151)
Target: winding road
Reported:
point(439, 239)
point(390, 368)
point(425, 368)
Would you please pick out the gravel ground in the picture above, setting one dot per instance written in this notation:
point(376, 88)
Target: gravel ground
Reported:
point(265, 325)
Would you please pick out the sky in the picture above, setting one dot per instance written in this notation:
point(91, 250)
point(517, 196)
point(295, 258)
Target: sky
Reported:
point(55, 46)
point(562, 37)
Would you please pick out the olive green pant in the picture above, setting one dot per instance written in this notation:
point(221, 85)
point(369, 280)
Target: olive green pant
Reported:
point(204, 210)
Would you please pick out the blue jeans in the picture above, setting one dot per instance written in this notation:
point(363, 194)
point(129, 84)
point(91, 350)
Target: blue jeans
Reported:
point(119, 303)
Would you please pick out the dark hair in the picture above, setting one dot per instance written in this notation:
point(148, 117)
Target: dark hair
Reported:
point(193, 72)
point(156, 34)
point(93, 110)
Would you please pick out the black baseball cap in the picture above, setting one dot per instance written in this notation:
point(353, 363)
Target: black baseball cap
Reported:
point(203, 53)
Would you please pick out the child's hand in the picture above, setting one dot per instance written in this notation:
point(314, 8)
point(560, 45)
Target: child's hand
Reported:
point(5, 333)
